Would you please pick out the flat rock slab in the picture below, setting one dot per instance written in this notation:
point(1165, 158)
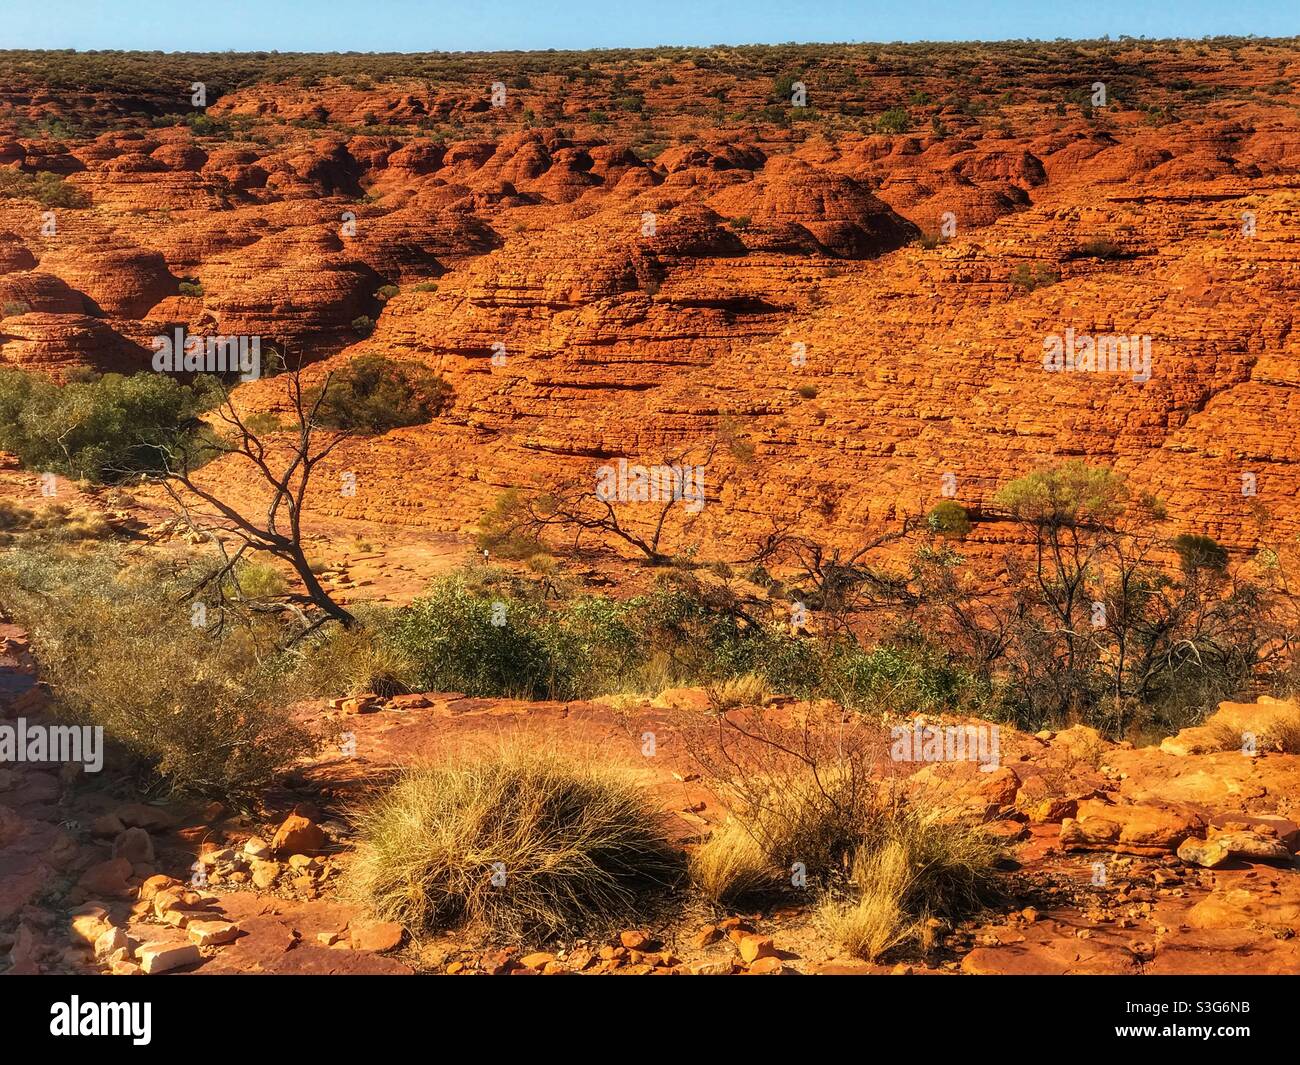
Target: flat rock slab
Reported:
point(1223, 783)
point(1050, 950)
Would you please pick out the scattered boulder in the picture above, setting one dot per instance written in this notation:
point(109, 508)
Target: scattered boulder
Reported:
point(754, 947)
point(377, 936)
point(107, 826)
point(107, 878)
point(212, 933)
point(135, 845)
point(111, 940)
point(89, 925)
point(155, 884)
point(1149, 829)
point(265, 874)
point(164, 957)
point(298, 835)
point(1220, 847)
point(362, 704)
point(257, 848)
point(143, 815)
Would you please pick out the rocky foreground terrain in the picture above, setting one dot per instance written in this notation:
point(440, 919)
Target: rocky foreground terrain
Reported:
point(1170, 859)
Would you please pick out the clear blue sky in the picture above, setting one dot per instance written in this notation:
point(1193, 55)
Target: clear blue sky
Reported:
point(491, 25)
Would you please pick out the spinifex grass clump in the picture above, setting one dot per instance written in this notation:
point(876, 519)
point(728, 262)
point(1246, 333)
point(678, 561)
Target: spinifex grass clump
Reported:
point(912, 866)
point(815, 815)
point(514, 842)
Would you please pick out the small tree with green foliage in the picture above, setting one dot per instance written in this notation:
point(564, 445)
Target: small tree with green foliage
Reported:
point(373, 395)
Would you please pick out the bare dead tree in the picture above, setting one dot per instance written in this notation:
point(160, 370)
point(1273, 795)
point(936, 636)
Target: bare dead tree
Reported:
point(279, 533)
point(583, 507)
point(843, 581)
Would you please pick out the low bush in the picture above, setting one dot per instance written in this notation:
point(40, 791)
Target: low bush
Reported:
point(485, 633)
point(1098, 248)
point(895, 120)
point(104, 429)
point(911, 867)
point(501, 529)
point(195, 708)
point(731, 865)
point(949, 519)
point(520, 842)
point(45, 188)
point(52, 523)
point(336, 662)
point(1027, 278)
point(813, 812)
point(480, 644)
point(373, 395)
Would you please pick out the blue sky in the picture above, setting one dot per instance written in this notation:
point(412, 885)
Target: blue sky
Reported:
point(490, 25)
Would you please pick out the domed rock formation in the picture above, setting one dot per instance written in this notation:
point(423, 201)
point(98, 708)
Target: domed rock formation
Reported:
point(61, 344)
point(14, 254)
point(299, 285)
point(44, 293)
point(795, 207)
point(119, 279)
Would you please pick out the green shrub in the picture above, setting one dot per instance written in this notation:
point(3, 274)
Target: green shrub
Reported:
point(1027, 278)
point(462, 640)
point(337, 662)
point(502, 528)
point(47, 189)
point(373, 395)
point(1200, 552)
point(948, 519)
point(783, 87)
point(895, 120)
point(260, 580)
point(1098, 248)
point(908, 675)
point(487, 634)
point(195, 707)
point(103, 429)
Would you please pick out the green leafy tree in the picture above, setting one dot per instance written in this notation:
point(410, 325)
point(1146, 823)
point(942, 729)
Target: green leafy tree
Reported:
point(374, 394)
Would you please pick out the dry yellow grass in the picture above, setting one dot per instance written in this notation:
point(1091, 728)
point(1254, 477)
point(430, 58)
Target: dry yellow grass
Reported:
point(731, 864)
point(875, 921)
point(782, 822)
point(911, 867)
point(748, 690)
point(1277, 731)
point(513, 841)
